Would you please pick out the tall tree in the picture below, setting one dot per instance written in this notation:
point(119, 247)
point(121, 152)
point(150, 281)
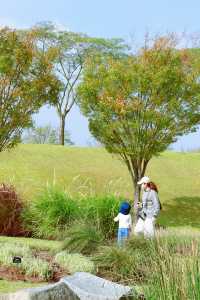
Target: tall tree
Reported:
point(138, 105)
point(72, 51)
point(26, 83)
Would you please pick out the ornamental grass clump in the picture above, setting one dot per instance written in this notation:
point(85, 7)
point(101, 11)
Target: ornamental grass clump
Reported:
point(38, 268)
point(83, 238)
point(51, 213)
point(101, 210)
point(74, 262)
point(8, 251)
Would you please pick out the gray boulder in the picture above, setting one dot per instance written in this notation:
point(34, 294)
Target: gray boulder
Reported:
point(89, 287)
point(58, 291)
point(80, 286)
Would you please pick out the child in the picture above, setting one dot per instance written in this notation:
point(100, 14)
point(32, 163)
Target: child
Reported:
point(125, 222)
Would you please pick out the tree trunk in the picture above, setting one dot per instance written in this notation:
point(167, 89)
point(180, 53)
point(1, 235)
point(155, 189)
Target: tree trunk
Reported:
point(136, 170)
point(136, 194)
point(62, 130)
point(137, 190)
point(136, 175)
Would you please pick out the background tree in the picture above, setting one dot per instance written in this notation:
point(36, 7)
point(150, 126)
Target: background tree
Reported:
point(45, 135)
point(26, 82)
point(72, 51)
point(138, 105)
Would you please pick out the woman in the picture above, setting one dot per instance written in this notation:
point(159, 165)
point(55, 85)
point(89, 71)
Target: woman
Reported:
point(150, 208)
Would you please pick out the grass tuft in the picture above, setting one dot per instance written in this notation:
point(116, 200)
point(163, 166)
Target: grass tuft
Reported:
point(82, 238)
point(74, 262)
point(101, 210)
point(50, 213)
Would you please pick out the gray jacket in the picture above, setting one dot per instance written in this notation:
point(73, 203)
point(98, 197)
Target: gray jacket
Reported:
point(150, 203)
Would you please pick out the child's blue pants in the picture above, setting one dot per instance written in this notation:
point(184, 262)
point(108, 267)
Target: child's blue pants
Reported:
point(123, 234)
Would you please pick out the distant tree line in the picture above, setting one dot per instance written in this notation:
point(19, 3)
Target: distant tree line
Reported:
point(45, 135)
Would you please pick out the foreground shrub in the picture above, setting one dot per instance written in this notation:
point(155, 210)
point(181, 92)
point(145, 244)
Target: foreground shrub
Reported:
point(10, 212)
point(50, 213)
point(83, 238)
point(74, 262)
point(101, 210)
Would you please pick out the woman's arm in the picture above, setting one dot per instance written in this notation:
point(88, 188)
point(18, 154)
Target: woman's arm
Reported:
point(156, 203)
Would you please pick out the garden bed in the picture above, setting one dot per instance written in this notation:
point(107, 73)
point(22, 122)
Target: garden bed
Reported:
point(15, 273)
point(41, 261)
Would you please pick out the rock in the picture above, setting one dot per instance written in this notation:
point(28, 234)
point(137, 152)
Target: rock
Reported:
point(89, 287)
point(58, 291)
point(80, 286)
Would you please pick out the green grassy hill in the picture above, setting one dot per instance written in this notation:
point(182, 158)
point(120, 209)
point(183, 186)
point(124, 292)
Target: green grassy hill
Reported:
point(83, 170)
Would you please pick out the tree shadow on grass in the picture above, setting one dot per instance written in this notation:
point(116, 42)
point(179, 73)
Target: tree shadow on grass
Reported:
point(182, 211)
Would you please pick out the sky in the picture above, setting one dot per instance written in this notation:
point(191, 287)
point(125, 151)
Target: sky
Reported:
point(105, 18)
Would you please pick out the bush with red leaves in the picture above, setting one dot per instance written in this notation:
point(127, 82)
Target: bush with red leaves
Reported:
point(10, 211)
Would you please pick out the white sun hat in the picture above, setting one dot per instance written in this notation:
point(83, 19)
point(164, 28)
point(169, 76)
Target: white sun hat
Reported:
point(144, 179)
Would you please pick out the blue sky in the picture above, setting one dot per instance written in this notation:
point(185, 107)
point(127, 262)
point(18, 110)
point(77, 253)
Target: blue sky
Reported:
point(105, 18)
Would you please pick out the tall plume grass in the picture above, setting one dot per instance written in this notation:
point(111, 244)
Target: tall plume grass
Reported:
point(175, 267)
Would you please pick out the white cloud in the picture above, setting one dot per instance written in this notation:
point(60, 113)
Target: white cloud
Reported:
point(4, 21)
point(60, 27)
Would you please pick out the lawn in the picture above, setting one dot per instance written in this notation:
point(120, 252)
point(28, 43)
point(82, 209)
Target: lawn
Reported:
point(35, 245)
point(12, 286)
point(42, 262)
point(87, 170)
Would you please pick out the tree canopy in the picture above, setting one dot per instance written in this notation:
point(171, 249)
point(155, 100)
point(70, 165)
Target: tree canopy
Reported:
point(138, 105)
point(26, 83)
point(72, 50)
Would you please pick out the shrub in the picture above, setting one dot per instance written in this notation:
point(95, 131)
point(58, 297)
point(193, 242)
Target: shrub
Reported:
point(74, 262)
point(10, 212)
point(83, 238)
point(50, 213)
point(101, 210)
